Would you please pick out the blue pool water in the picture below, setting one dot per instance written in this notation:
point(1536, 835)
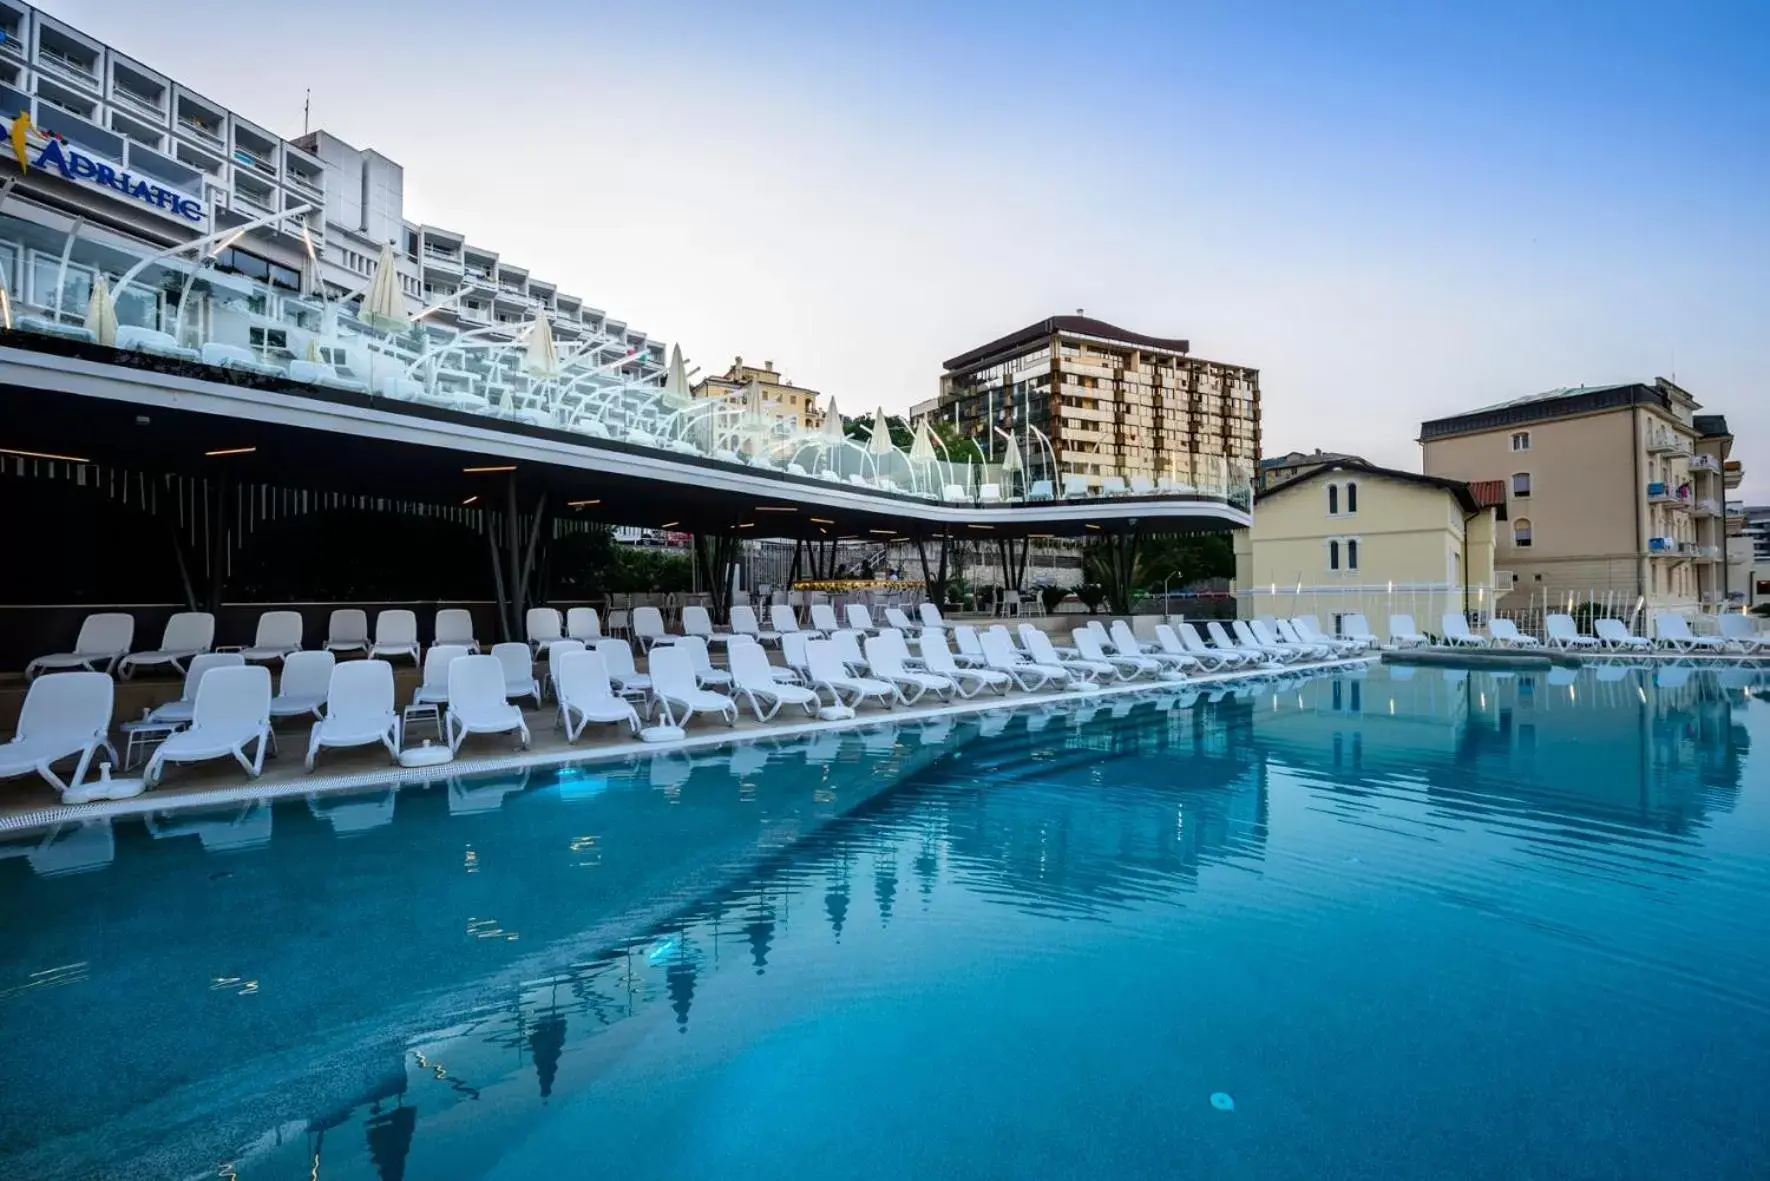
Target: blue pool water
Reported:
point(1379, 925)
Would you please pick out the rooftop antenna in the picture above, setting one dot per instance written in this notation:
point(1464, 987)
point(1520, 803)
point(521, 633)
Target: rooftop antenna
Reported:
point(306, 107)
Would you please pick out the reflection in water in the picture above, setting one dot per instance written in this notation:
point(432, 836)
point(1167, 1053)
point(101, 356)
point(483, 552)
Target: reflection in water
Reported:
point(622, 892)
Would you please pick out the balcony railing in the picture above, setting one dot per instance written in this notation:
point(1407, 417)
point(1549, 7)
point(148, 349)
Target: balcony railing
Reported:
point(1667, 443)
point(1704, 463)
point(61, 63)
point(140, 102)
point(201, 130)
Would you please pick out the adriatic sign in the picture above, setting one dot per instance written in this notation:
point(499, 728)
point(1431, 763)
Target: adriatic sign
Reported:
point(76, 165)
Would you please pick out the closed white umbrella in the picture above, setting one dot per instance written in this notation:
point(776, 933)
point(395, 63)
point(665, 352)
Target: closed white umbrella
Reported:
point(676, 380)
point(922, 447)
point(833, 433)
point(1011, 458)
point(880, 443)
point(542, 357)
point(384, 308)
point(101, 314)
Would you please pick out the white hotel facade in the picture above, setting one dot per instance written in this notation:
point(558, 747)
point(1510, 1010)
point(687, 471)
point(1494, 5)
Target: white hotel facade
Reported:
point(149, 163)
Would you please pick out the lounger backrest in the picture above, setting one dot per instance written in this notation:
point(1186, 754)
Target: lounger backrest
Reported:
point(882, 658)
point(998, 650)
point(617, 656)
point(696, 622)
point(436, 664)
point(1610, 629)
point(859, 616)
point(823, 661)
point(542, 624)
point(454, 625)
point(76, 704)
point(1124, 640)
point(233, 698)
point(517, 661)
point(306, 674)
point(1455, 624)
point(1502, 629)
point(782, 619)
point(648, 621)
point(396, 626)
point(696, 648)
point(966, 635)
point(1355, 625)
point(1220, 637)
point(108, 631)
point(1671, 626)
point(1190, 636)
point(1253, 632)
point(897, 619)
point(189, 631)
point(793, 649)
point(672, 671)
point(279, 629)
point(1559, 627)
point(749, 667)
point(935, 654)
point(1038, 645)
point(1087, 643)
point(848, 648)
point(557, 651)
point(930, 615)
point(359, 690)
point(582, 623)
point(744, 621)
point(347, 625)
point(1402, 625)
point(1736, 627)
point(581, 675)
point(476, 683)
point(823, 618)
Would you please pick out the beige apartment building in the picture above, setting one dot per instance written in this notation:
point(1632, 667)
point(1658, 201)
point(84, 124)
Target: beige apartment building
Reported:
point(780, 397)
point(1114, 405)
point(1615, 493)
point(1278, 469)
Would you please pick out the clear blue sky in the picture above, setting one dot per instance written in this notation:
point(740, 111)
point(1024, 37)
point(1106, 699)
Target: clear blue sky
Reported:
point(1394, 211)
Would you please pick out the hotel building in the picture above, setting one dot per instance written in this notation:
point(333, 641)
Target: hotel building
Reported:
point(1614, 492)
point(780, 398)
point(1116, 407)
point(136, 158)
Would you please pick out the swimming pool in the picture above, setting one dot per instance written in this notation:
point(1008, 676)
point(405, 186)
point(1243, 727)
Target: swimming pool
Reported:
point(1416, 923)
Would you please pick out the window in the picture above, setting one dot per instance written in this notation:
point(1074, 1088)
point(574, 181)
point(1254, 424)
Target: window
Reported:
point(1521, 485)
point(1351, 497)
point(1333, 500)
point(1521, 533)
point(1521, 441)
point(1334, 555)
point(267, 340)
point(1352, 553)
point(76, 285)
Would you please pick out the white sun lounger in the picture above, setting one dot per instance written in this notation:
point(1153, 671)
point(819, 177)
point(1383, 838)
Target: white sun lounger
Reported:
point(648, 628)
point(999, 654)
point(675, 692)
point(542, 625)
point(938, 658)
point(359, 710)
point(1090, 648)
point(556, 651)
point(1251, 653)
point(454, 626)
point(1741, 635)
point(824, 669)
point(1403, 633)
point(753, 678)
point(745, 623)
point(1309, 630)
point(518, 663)
point(348, 630)
point(1197, 645)
point(697, 622)
point(617, 657)
point(1564, 633)
point(1169, 643)
point(586, 695)
point(277, 635)
point(885, 655)
point(931, 616)
point(1505, 634)
point(1615, 634)
point(970, 647)
point(1041, 651)
point(478, 703)
point(396, 634)
point(787, 624)
point(302, 685)
point(1286, 633)
point(65, 715)
point(104, 639)
point(705, 673)
point(582, 623)
point(1673, 631)
point(1357, 628)
point(1247, 637)
point(860, 618)
point(233, 712)
point(185, 707)
point(1126, 644)
point(1457, 633)
point(187, 634)
point(433, 689)
point(896, 619)
point(823, 619)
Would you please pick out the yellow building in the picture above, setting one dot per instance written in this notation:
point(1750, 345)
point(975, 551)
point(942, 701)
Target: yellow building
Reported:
point(780, 397)
point(1352, 537)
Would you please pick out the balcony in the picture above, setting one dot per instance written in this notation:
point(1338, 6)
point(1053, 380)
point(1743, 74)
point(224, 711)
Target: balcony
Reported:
point(1665, 442)
point(67, 60)
point(153, 108)
point(1659, 492)
point(1705, 463)
point(1732, 473)
point(440, 262)
point(1663, 547)
point(1705, 508)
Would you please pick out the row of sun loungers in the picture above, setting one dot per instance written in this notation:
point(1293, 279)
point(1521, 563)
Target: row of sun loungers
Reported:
point(1738, 635)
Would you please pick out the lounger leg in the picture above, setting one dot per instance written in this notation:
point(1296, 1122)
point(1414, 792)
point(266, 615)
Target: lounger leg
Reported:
point(48, 773)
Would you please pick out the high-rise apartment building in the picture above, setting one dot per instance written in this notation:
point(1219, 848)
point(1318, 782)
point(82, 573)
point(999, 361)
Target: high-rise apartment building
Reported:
point(1614, 491)
point(1115, 406)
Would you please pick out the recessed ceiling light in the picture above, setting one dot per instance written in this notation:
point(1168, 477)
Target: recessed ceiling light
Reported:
point(581, 503)
point(884, 532)
point(822, 521)
point(468, 501)
point(776, 508)
point(507, 467)
point(231, 451)
point(669, 524)
point(43, 455)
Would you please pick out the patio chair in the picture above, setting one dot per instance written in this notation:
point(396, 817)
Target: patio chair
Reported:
point(901, 622)
point(542, 626)
point(1615, 634)
point(302, 684)
point(184, 708)
point(1169, 643)
point(1282, 632)
point(1354, 626)
point(677, 695)
point(970, 648)
point(860, 618)
point(396, 634)
point(1563, 633)
point(585, 693)
point(1308, 628)
point(823, 619)
point(232, 713)
point(104, 639)
point(1252, 653)
point(433, 688)
point(704, 672)
point(1248, 637)
point(555, 652)
point(648, 628)
point(617, 658)
point(479, 702)
point(885, 655)
point(454, 626)
point(582, 623)
point(1673, 631)
point(1089, 648)
point(65, 715)
point(348, 630)
point(696, 621)
point(277, 635)
point(1125, 644)
point(1505, 634)
point(824, 669)
point(518, 663)
point(786, 623)
point(753, 679)
point(938, 658)
point(1039, 490)
point(1207, 653)
point(1040, 650)
point(359, 710)
point(187, 634)
point(745, 623)
point(1457, 633)
point(1403, 633)
point(1740, 635)
point(931, 617)
point(999, 654)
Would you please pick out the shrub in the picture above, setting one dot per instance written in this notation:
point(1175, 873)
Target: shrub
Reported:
point(1092, 594)
point(1052, 596)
